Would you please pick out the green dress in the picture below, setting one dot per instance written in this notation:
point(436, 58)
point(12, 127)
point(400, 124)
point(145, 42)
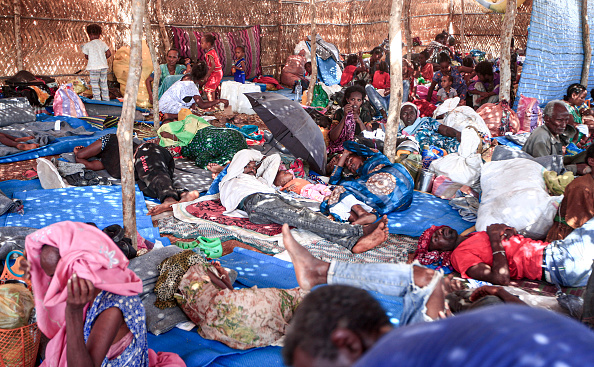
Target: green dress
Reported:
point(214, 145)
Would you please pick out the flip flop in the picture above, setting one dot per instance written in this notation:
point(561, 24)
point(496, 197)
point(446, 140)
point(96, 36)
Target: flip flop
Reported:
point(30, 174)
point(212, 247)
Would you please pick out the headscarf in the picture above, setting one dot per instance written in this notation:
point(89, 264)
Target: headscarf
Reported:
point(427, 257)
point(86, 251)
point(409, 130)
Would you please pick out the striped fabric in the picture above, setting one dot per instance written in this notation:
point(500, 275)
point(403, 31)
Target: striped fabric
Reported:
point(188, 44)
point(554, 52)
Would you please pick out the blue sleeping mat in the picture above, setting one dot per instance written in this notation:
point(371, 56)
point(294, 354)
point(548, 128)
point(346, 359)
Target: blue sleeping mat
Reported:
point(425, 211)
point(60, 145)
point(505, 141)
point(253, 269)
point(101, 205)
point(113, 102)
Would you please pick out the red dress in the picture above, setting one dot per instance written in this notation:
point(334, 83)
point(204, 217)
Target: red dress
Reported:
point(217, 74)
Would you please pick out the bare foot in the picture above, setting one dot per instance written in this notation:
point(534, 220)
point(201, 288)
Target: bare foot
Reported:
point(215, 169)
point(378, 236)
point(24, 139)
point(189, 196)
point(365, 219)
point(165, 206)
point(308, 270)
point(373, 226)
point(22, 146)
point(77, 149)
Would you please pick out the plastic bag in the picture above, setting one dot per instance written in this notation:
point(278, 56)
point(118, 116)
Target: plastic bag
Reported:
point(16, 304)
point(121, 66)
point(320, 97)
point(463, 167)
point(68, 103)
point(234, 93)
point(529, 113)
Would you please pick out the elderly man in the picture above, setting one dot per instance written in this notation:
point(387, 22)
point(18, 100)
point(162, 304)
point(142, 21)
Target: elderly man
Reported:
point(556, 133)
point(345, 326)
point(247, 190)
point(500, 254)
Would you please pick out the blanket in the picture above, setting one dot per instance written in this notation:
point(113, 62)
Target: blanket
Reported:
point(213, 210)
point(42, 131)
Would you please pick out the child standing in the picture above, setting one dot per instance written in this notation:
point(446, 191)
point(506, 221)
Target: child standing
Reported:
point(446, 91)
point(239, 68)
point(215, 71)
point(97, 53)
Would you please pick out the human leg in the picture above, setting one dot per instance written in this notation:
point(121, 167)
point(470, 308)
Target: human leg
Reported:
point(155, 177)
point(94, 76)
point(103, 84)
point(421, 288)
point(569, 261)
point(11, 141)
point(375, 98)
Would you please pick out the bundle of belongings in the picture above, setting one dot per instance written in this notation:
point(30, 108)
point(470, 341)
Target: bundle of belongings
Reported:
point(39, 90)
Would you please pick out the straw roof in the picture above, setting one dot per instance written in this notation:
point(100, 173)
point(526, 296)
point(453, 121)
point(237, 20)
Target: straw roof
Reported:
point(51, 31)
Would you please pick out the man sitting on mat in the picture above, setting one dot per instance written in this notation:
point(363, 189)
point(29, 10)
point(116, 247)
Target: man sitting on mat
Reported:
point(153, 168)
point(247, 190)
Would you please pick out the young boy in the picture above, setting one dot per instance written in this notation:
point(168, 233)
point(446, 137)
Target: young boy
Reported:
point(238, 68)
point(97, 53)
point(446, 91)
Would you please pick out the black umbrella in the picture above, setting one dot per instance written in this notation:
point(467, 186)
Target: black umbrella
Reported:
point(292, 126)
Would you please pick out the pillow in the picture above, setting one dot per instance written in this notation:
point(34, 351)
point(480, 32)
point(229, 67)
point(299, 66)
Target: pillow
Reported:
point(188, 44)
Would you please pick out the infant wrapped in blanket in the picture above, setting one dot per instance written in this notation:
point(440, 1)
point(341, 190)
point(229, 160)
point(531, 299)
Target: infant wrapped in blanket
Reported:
point(303, 187)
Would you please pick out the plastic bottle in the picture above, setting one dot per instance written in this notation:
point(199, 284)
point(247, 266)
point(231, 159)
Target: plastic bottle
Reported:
point(298, 91)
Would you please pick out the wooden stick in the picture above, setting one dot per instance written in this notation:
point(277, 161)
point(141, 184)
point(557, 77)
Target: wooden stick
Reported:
point(162, 29)
point(278, 68)
point(587, 46)
point(17, 34)
point(126, 125)
point(396, 89)
point(314, 61)
point(462, 32)
point(507, 30)
point(350, 34)
point(407, 30)
point(156, 67)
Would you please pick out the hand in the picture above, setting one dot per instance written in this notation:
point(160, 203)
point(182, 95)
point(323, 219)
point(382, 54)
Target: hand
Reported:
point(347, 109)
point(451, 285)
point(356, 112)
point(502, 231)
point(583, 169)
point(80, 292)
point(25, 267)
point(486, 290)
point(343, 158)
point(233, 69)
point(187, 61)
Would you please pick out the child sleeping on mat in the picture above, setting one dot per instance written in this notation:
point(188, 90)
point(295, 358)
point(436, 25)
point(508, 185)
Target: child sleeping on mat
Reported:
point(287, 181)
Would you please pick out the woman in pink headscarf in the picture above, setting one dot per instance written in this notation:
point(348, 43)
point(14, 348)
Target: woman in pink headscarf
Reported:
point(87, 299)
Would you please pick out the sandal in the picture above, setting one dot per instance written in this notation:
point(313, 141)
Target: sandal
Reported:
point(30, 174)
point(212, 247)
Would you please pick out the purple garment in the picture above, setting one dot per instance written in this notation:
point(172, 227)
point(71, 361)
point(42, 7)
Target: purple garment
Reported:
point(496, 81)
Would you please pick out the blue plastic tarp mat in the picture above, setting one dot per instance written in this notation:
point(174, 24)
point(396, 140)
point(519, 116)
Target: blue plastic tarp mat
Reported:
point(59, 146)
point(109, 103)
point(425, 211)
point(505, 141)
point(254, 269)
point(11, 186)
point(101, 205)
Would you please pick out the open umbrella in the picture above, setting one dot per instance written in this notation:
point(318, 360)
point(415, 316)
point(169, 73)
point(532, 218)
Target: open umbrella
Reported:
point(292, 127)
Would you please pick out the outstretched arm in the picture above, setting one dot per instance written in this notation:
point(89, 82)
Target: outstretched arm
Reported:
point(498, 273)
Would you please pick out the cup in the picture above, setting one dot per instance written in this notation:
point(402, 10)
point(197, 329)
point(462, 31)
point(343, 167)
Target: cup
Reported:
point(425, 180)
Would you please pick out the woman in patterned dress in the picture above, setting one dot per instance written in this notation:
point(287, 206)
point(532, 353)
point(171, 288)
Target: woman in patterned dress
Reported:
point(87, 300)
point(378, 183)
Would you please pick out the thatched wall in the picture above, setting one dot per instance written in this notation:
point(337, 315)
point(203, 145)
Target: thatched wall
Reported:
point(51, 31)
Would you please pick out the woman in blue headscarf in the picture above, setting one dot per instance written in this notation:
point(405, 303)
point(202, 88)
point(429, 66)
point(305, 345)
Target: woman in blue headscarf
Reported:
point(378, 183)
point(427, 130)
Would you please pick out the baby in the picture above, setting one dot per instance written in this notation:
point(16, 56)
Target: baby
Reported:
point(300, 186)
point(446, 91)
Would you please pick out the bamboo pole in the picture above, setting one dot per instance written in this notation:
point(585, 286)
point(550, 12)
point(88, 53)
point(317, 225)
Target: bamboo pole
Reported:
point(462, 24)
point(17, 34)
point(507, 30)
point(126, 125)
point(587, 46)
point(350, 34)
point(279, 40)
point(407, 30)
point(156, 68)
point(395, 80)
point(314, 61)
point(162, 29)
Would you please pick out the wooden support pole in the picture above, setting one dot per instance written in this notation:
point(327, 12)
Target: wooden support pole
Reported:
point(587, 46)
point(156, 68)
point(450, 15)
point(350, 35)
point(126, 125)
point(314, 61)
point(462, 30)
point(396, 89)
point(507, 30)
point(279, 41)
point(162, 29)
point(407, 29)
point(17, 34)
